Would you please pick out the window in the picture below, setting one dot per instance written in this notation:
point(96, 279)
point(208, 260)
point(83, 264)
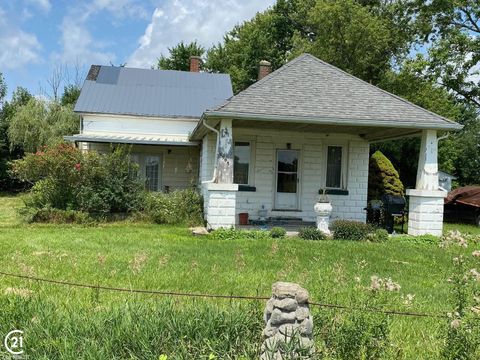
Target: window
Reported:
point(334, 167)
point(152, 164)
point(241, 162)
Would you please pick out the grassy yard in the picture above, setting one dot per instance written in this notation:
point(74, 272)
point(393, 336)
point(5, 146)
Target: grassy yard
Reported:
point(143, 256)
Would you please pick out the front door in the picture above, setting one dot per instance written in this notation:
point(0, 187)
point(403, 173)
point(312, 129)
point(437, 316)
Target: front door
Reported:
point(286, 195)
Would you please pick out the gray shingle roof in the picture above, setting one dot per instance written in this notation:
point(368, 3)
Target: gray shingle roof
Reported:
point(308, 88)
point(147, 92)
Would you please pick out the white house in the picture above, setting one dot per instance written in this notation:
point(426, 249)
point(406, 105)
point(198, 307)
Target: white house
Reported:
point(304, 128)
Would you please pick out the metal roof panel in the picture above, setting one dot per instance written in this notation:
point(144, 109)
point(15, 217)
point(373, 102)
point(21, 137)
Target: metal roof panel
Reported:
point(148, 92)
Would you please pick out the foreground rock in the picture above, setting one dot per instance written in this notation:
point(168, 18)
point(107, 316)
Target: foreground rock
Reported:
point(199, 230)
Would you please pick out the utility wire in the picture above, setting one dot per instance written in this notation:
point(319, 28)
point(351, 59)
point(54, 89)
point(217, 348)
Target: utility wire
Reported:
point(214, 296)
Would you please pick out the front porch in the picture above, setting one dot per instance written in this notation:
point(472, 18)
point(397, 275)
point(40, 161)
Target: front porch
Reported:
point(278, 174)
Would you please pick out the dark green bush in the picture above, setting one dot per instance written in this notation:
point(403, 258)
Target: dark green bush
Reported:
point(379, 235)
point(277, 232)
point(176, 207)
point(64, 178)
point(55, 216)
point(383, 178)
point(350, 230)
point(311, 233)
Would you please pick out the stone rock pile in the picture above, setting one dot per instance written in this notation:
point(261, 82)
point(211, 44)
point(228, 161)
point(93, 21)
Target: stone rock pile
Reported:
point(289, 325)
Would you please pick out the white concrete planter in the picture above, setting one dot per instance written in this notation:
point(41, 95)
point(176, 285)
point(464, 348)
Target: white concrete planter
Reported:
point(323, 210)
point(262, 214)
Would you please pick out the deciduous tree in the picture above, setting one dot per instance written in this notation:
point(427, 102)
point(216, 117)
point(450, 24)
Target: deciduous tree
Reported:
point(179, 56)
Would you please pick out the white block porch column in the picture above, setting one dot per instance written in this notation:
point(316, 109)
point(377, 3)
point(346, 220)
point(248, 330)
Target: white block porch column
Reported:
point(225, 153)
point(221, 196)
point(426, 200)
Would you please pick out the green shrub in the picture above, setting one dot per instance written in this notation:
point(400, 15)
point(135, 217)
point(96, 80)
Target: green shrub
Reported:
point(382, 177)
point(176, 207)
point(55, 216)
point(277, 232)
point(311, 233)
point(350, 230)
point(379, 235)
point(419, 239)
point(64, 178)
point(232, 234)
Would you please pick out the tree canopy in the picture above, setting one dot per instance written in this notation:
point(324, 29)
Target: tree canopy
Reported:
point(3, 88)
point(451, 31)
point(70, 95)
point(40, 123)
point(179, 56)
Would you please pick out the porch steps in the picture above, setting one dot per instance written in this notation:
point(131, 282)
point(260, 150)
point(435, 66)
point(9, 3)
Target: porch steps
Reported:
point(284, 221)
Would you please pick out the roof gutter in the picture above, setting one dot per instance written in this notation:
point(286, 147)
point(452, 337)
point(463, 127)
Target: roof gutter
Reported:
point(333, 121)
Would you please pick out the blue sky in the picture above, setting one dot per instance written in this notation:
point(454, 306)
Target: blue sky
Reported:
point(37, 36)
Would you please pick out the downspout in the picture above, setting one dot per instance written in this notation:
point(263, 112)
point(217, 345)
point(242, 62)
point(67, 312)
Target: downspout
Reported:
point(216, 152)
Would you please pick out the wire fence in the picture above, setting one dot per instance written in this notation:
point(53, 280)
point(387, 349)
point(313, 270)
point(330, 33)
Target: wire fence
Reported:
point(215, 296)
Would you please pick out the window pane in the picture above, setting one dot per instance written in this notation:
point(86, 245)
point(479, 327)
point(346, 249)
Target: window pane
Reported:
point(151, 173)
point(241, 162)
point(287, 161)
point(286, 183)
point(334, 167)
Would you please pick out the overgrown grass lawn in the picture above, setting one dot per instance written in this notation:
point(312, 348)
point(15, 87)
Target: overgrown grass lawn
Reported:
point(144, 256)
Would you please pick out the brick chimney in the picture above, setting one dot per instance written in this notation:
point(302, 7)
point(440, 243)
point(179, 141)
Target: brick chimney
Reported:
point(264, 69)
point(195, 62)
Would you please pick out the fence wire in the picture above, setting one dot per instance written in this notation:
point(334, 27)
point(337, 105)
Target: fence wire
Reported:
point(215, 296)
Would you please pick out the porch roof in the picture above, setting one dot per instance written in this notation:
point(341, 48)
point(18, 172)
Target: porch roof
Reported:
point(132, 139)
point(320, 96)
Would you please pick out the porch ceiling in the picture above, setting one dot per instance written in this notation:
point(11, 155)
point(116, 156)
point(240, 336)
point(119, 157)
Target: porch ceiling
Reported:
point(369, 133)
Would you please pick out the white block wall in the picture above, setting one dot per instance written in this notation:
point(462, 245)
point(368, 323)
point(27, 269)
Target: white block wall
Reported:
point(312, 160)
point(425, 214)
point(220, 203)
point(124, 124)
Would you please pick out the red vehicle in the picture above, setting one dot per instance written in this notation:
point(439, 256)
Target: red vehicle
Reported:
point(463, 205)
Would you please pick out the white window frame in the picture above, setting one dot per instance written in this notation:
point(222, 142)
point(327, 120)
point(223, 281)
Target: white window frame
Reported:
point(141, 159)
point(159, 170)
point(251, 165)
point(344, 166)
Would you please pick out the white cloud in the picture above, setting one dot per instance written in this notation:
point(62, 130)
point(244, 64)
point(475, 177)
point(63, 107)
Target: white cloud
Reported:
point(188, 20)
point(78, 46)
point(77, 43)
point(121, 8)
point(19, 48)
point(43, 5)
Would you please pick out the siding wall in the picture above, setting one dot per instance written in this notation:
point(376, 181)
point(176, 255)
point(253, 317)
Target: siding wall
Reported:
point(100, 124)
point(174, 164)
point(312, 164)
